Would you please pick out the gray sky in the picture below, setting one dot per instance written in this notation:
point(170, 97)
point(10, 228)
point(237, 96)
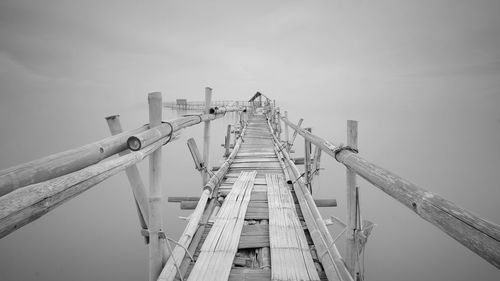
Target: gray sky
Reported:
point(422, 77)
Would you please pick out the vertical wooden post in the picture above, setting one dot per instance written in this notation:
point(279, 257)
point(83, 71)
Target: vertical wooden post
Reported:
point(307, 162)
point(134, 178)
point(206, 136)
point(227, 140)
point(287, 137)
point(278, 124)
point(155, 218)
point(295, 135)
point(351, 251)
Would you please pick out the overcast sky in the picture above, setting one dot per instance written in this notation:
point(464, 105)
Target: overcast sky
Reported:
point(422, 77)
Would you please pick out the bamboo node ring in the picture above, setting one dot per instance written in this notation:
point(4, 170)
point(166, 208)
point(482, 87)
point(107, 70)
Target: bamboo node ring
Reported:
point(342, 148)
point(170, 136)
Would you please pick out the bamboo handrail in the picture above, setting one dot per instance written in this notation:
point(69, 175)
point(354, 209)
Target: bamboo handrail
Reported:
point(63, 163)
point(27, 204)
point(477, 234)
point(145, 138)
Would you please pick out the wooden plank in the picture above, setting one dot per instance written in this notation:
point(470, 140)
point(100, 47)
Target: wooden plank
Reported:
point(256, 160)
point(221, 244)
point(286, 235)
point(260, 165)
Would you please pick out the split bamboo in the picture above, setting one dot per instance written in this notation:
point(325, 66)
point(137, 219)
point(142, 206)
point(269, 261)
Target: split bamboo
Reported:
point(292, 258)
point(220, 246)
point(170, 269)
point(477, 234)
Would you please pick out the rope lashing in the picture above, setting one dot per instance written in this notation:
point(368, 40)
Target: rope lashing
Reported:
point(342, 148)
point(170, 136)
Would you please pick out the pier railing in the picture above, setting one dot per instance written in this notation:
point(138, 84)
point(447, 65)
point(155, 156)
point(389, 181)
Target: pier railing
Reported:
point(472, 231)
point(29, 191)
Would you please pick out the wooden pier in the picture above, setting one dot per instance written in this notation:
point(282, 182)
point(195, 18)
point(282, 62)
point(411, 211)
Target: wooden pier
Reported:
point(256, 218)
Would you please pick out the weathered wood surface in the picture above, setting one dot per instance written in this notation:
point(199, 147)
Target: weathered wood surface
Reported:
point(477, 234)
point(352, 252)
point(27, 204)
point(287, 239)
point(155, 194)
point(220, 246)
point(63, 163)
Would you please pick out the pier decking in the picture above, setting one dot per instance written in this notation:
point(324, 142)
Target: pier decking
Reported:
point(256, 218)
point(273, 236)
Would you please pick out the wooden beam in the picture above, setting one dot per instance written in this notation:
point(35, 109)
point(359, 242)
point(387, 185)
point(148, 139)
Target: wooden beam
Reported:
point(155, 212)
point(351, 249)
point(63, 163)
point(477, 234)
point(27, 204)
point(307, 164)
point(134, 177)
point(206, 136)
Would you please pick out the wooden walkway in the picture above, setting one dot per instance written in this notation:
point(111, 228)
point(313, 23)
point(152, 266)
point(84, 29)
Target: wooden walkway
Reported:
point(274, 243)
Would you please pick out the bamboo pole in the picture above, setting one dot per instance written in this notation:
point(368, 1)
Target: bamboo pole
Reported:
point(169, 271)
point(155, 217)
point(351, 251)
point(477, 234)
point(307, 162)
point(287, 135)
point(63, 163)
point(328, 254)
point(27, 204)
point(294, 133)
point(206, 136)
point(227, 140)
point(134, 177)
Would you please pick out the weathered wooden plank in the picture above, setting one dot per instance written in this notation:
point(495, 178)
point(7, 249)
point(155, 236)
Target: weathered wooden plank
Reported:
point(260, 165)
point(256, 160)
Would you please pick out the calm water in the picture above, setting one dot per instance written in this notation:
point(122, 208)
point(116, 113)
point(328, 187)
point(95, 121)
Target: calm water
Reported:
point(96, 235)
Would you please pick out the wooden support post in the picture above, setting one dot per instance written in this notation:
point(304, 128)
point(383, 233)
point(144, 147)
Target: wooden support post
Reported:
point(351, 252)
point(134, 178)
point(206, 136)
point(287, 137)
point(155, 218)
point(227, 141)
point(278, 124)
point(316, 160)
point(295, 134)
point(307, 162)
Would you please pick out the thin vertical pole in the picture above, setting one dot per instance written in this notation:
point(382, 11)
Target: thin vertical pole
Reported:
point(287, 137)
point(206, 136)
point(307, 162)
point(351, 253)
point(134, 178)
point(227, 141)
point(278, 123)
point(155, 218)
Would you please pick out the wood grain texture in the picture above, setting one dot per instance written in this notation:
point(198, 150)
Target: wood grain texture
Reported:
point(477, 234)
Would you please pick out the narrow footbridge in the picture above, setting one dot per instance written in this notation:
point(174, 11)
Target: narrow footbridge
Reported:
point(256, 218)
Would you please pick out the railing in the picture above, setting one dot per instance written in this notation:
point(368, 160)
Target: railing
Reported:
point(475, 233)
point(29, 191)
point(197, 105)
